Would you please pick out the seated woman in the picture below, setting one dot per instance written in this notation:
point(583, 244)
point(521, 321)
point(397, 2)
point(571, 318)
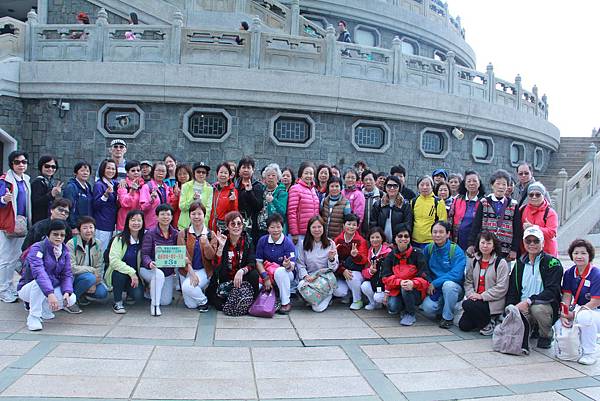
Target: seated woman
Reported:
point(237, 261)
point(86, 264)
point(372, 287)
point(486, 284)
point(160, 279)
point(125, 259)
point(201, 250)
point(276, 259)
point(47, 284)
point(581, 297)
point(316, 252)
point(405, 274)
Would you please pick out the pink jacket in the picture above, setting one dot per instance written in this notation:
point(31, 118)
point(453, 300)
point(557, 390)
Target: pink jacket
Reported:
point(357, 202)
point(148, 206)
point(303, 203)
point(535, 215)
point(129, 199)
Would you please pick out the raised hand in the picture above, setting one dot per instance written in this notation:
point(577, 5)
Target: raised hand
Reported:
point(354, 250)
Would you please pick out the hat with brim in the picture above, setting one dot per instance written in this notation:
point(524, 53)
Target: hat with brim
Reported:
point(198, 165)
point(534, 231)
point(147, 162)
point(118, 142)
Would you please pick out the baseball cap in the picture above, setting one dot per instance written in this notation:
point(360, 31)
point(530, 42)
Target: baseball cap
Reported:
point(534, 231)
point(440, 171)
point(198, 165)
point(117, 142)
point(146, 162)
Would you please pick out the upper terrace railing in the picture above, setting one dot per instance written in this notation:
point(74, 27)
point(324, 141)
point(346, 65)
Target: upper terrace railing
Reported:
point(11, 41)
point(272, 51)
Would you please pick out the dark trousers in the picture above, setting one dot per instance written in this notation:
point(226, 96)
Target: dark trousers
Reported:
point(406, 301)
point(476, 315)
point(220, 276)
point(122, 282)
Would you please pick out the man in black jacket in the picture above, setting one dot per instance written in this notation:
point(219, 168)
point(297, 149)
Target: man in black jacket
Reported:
point(534, 285)
point(59, 210)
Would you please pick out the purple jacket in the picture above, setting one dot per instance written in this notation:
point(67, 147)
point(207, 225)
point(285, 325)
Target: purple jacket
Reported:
point(48, 272)
point(152, 238)
point(105, 211)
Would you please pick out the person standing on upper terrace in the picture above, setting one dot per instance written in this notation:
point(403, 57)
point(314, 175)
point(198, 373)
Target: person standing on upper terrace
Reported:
point(344, 35)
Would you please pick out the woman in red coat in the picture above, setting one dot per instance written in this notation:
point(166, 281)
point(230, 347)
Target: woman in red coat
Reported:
point(225, 198)
point(538, 212)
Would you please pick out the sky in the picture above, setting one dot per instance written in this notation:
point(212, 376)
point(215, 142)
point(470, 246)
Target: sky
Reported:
point(550, 44)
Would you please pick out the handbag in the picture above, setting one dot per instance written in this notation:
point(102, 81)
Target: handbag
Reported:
point(20, 227)
point(316, 291)
point(567, 340)
point(239, 300)
point(264, 305)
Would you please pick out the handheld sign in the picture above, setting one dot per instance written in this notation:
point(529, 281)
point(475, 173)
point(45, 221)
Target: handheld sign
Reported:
point(170, 256)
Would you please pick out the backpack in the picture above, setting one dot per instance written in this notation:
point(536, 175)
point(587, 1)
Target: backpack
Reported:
point(429, 249)
point(545, 218)
point(106, 254)
point(239, 300)
point(25, 269)
point(512, 335)
point(436, 200)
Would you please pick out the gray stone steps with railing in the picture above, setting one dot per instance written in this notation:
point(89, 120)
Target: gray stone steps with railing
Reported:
point(573, 153)
point(150, 12)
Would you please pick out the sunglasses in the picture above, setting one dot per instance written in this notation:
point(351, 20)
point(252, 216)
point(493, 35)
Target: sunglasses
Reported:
point(524, 173)
point(392, 186)
point(535, 195)
point(119, 146)
point(200, 172)
point(236, 224)
point(530, 241)
point(62, 210)
point(23, 162)
point(401, 236)
point(52, 166)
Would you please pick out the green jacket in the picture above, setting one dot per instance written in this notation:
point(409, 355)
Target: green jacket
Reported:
point(115, 257)
point(279, 204)
point(187, 197)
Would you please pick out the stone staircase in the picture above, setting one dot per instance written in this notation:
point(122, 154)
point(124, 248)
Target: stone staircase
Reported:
point(150, 12)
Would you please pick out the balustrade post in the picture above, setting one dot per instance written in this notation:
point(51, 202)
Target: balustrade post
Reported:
point(190, 6)
point(545, 101)
point(176, 26)
point(255, 44)
point(491, 83)
point(42, 11)
point(240, 6)
point(397, 48)
point(535, 95)
point(561, 183)
point(426, 5)
point(295, 18)
point(32, 21)
point(101, 35)
point(333, 56)
point(519, 93)
point(447, 14)
point(451, 65)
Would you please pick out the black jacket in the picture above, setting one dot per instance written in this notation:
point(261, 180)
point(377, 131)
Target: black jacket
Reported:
point(41, 198)
point(402, 214)
point(39, 231)
point(250, 204)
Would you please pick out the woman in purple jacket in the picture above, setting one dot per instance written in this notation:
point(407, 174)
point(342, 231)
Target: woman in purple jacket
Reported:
point(105, 202)
point(160, 279)
point(47, 283)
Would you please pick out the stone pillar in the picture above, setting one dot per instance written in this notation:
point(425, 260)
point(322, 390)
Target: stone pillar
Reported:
point(519, 94)
point(535, 95)
point(545, 101)
point(42, 11)
point(176, 26)
point(491, 83)
point(190, 7)
point(295, 18)
point(451, 65)
point(32, 21)
point(101, 35)
point(561, 184)
point(240, 6)
point(426, 4)
point(255, 44)
point(397, 48)
point(332, 66)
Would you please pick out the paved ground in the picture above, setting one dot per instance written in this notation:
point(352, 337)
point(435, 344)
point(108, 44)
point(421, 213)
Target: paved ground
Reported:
point(339, 354)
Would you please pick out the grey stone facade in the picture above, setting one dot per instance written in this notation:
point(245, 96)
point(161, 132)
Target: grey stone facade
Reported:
point(65, 11)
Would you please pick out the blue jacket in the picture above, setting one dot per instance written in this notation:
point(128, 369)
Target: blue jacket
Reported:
point(442, 267)
point(105, 211)
point(81, 201)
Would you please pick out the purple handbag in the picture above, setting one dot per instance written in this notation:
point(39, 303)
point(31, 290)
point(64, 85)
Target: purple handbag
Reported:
point(264, 305)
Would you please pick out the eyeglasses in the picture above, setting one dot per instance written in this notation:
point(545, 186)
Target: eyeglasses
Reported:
point(524, 173)
point(119, 146)
point(236, 224)
point(52, 166)
point(23, 162)
point(530, 241)
point(59, 235)
point(535, 195)
point(391, 185)
point(200, 172)
point(62, 210)
point(403, 236)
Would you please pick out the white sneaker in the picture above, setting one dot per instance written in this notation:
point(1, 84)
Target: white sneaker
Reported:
point(587, 359)
point(34, 323)
point(47, 315)
point(373, 306)
point(8, 297)
point(357, 305)
point(155, 310)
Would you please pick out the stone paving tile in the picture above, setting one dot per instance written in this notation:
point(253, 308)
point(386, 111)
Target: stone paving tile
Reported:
point(491, 359)
point(6, 360)
point(62, 329)
point(71, 386)
point(412, 331)
point(290, 354)
point(249, 322)
point(171, 389)
point(405, 350)
point(312, 388)
point(255, 334)
point(391, 321)
point(173, 333)
point(94, 317)
point(206, 369)
point(327, 322)
point(548, 396)
point(11, 326)
point(13, 315)
point(334, 311)
point(336, 333)
point(162, 321)
point(420, 364)
point(592, 392)
point(102, 351)
point(14, 347)
point(448, 379)
point(225, 354)
point(468, 346)
point(536, 372)
point(88, 367)
point(304, 369)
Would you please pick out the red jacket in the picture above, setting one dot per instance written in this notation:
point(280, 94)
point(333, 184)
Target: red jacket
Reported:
point(378, 259)
point(548, 225)
point(344, 248)
point(408, 265)
point(221, 204)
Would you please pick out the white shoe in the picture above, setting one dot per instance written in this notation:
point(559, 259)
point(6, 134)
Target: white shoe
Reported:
point(356, 305)
point(34, 323)
point(373, 306)
point(155, 310)
point(587, 359)
point(48, 315)
point(8, 297)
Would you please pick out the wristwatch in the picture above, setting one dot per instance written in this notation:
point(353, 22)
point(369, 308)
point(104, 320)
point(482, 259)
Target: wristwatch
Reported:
point(264, 275)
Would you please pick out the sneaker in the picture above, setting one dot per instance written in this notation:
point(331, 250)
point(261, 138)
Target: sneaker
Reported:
point(74, 309)
point(119, 309)
point(544, 342)
point(47, 315)
point(488, 330)
point(445, 324)
point(9, 298)
point(202, 308)
point(34, 323)
point(373, 306)
point(155, 310)
point(408, 319)
point(346, 300)
point(83, 301)
point(587, 359)
point(285, 309)
point(92, 298)
point(356, 305)
point(26, 305)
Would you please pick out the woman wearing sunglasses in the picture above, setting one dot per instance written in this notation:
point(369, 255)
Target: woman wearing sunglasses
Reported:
point(44, 188)
point(538, 212)
point(391, 210)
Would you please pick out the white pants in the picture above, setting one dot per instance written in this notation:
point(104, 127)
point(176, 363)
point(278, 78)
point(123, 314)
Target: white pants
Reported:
point(589, 320)
point(193, 297)
point(104, 238)
point(10, 250)
point(374, 297)
point(353, 285)
point(283, 279)
point(38, 302)
point(161, 287)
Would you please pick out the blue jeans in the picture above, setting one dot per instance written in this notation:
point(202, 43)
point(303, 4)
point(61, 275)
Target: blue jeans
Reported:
point(83, 282)
point(406, 301)
point(451, 293)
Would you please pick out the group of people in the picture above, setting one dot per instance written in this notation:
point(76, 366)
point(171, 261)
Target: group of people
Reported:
point(447, 249)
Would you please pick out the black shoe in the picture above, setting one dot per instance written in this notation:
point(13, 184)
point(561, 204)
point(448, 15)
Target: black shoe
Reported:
point(446, 324)
point(544, 342)
point(83, 301)
point(203, 308)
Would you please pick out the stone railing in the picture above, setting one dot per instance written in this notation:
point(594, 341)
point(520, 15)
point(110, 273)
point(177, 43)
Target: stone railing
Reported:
point(572, 193)
point(262, 49)
point(12, 44)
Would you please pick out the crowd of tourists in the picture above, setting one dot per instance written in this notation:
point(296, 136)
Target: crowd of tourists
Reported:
point(456, 250)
